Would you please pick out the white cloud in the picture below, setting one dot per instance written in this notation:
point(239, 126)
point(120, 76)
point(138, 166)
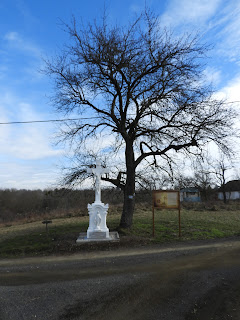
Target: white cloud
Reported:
point(217, 20)
point(12, 36)
point(16, 41)
point(231, 92)
point(24, 141)
point(212, 75)
point(189, 12)
point(137, 8)
point(229, 36)
point(27, 159)
point(31, 143)
point(28, 176)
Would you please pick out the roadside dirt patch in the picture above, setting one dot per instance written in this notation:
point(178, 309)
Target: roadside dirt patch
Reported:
point(221, 302)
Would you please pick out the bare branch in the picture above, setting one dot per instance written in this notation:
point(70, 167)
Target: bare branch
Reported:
point(146, 92)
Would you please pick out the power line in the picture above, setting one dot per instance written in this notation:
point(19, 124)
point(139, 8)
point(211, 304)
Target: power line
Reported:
point(62, 120)
point(41, 121)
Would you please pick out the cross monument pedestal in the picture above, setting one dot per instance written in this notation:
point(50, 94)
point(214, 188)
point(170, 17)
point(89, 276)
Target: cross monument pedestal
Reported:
point(97, 230)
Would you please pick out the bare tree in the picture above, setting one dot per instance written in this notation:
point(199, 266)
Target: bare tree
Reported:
point(204, 175)
point(142, 87)
point(211, 171)
point(182, 181)
point(220, 168)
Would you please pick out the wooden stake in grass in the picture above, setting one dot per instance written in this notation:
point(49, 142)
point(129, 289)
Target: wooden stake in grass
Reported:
point(47, 222)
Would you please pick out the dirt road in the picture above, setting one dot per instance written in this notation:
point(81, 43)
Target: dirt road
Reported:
point(198, 280)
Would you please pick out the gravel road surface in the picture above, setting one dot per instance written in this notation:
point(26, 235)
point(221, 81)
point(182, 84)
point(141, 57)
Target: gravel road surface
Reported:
point(197, 280)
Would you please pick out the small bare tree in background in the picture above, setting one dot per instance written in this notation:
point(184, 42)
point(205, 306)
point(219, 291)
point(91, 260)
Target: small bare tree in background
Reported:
point(211, 171)
point(220, 168)
point(140, 89)
point(204, 178)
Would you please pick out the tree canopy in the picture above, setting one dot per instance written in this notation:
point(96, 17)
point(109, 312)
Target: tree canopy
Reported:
point(141, 88)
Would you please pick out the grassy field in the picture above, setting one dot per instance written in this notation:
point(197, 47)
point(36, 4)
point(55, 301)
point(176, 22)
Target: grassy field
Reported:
point(31, 239)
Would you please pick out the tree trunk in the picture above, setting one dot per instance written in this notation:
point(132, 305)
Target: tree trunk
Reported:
point(223, 184)
point(129, 190)
point(224, 194)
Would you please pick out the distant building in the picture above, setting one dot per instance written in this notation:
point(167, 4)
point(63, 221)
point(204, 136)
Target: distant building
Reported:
point(190, 195)
point(232, 189)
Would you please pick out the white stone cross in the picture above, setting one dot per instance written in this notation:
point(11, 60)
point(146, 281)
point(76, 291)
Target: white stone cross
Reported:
point(98, 171)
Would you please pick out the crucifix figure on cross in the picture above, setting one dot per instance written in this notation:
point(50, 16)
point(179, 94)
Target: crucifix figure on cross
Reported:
point(98, 171)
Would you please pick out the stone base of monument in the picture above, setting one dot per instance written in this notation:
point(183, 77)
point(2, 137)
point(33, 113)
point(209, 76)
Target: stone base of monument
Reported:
point(97, 236)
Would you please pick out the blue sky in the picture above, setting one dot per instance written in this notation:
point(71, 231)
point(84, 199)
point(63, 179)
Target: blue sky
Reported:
point(31, 30)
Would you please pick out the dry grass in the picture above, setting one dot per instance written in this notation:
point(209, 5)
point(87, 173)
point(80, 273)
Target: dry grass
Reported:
point(196, 223)
point(9, 231)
